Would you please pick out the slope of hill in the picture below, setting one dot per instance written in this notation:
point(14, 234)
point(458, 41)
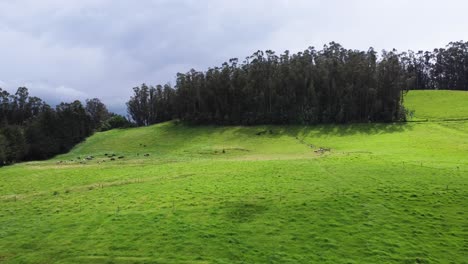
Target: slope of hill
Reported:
point(438, 105)
point(362, 193)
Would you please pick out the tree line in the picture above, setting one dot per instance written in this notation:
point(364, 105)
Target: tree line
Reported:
point(442, 69)
point(30, 129)
point(331, 85)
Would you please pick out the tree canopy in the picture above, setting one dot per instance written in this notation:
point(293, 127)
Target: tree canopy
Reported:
point(30, 129)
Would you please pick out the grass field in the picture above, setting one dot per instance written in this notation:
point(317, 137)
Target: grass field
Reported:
point(438, 105)
point(362, 193)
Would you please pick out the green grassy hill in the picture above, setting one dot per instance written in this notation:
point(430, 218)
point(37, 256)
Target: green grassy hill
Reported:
point(362, 193)
point(438, 105)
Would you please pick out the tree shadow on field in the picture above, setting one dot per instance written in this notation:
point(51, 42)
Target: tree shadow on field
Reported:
point(194, 132)
point(326, 130)
point(352, 129)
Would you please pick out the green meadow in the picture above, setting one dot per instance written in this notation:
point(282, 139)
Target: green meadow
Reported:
point(172, 193)
point(443, 105)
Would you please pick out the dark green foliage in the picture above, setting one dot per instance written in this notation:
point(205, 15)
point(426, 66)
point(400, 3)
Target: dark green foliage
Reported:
point(75, 124)
point(97, 111)
point(41, 133)
point(116, 121)
point(442, 69)
point(450, 66)
point(57, 131)
point(150, 105)
point(333, 85)
point(15, 147)
point(30, 129)
point(3, 146)
point(18, 108)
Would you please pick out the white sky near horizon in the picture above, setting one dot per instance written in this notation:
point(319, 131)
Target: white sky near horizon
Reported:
point(78, 49)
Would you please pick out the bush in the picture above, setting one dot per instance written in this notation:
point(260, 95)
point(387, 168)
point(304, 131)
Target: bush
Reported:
point(116, 121)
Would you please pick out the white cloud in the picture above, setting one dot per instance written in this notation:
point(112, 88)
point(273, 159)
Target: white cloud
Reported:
point(69, 92)
point(53, 92)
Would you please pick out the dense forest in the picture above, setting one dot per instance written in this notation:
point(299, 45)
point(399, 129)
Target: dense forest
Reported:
point(332, 85)
point(30, 129)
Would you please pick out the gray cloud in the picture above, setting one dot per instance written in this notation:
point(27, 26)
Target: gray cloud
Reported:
point(77, 49)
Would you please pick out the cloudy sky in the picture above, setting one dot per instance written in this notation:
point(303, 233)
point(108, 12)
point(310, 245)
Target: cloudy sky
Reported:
point(78, 49)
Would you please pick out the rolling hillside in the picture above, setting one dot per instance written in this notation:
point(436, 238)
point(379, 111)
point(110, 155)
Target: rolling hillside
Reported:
point(170, 193)
point(436, 105)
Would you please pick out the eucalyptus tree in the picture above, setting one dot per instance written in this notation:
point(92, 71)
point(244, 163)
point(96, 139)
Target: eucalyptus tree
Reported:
point(97, 111)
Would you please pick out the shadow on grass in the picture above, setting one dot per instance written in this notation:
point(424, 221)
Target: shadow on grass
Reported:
point(290, 130)
point(243, 212)
point(352, 129)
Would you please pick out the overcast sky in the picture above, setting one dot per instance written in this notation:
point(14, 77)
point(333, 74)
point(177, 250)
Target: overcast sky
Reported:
point(78, 49)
